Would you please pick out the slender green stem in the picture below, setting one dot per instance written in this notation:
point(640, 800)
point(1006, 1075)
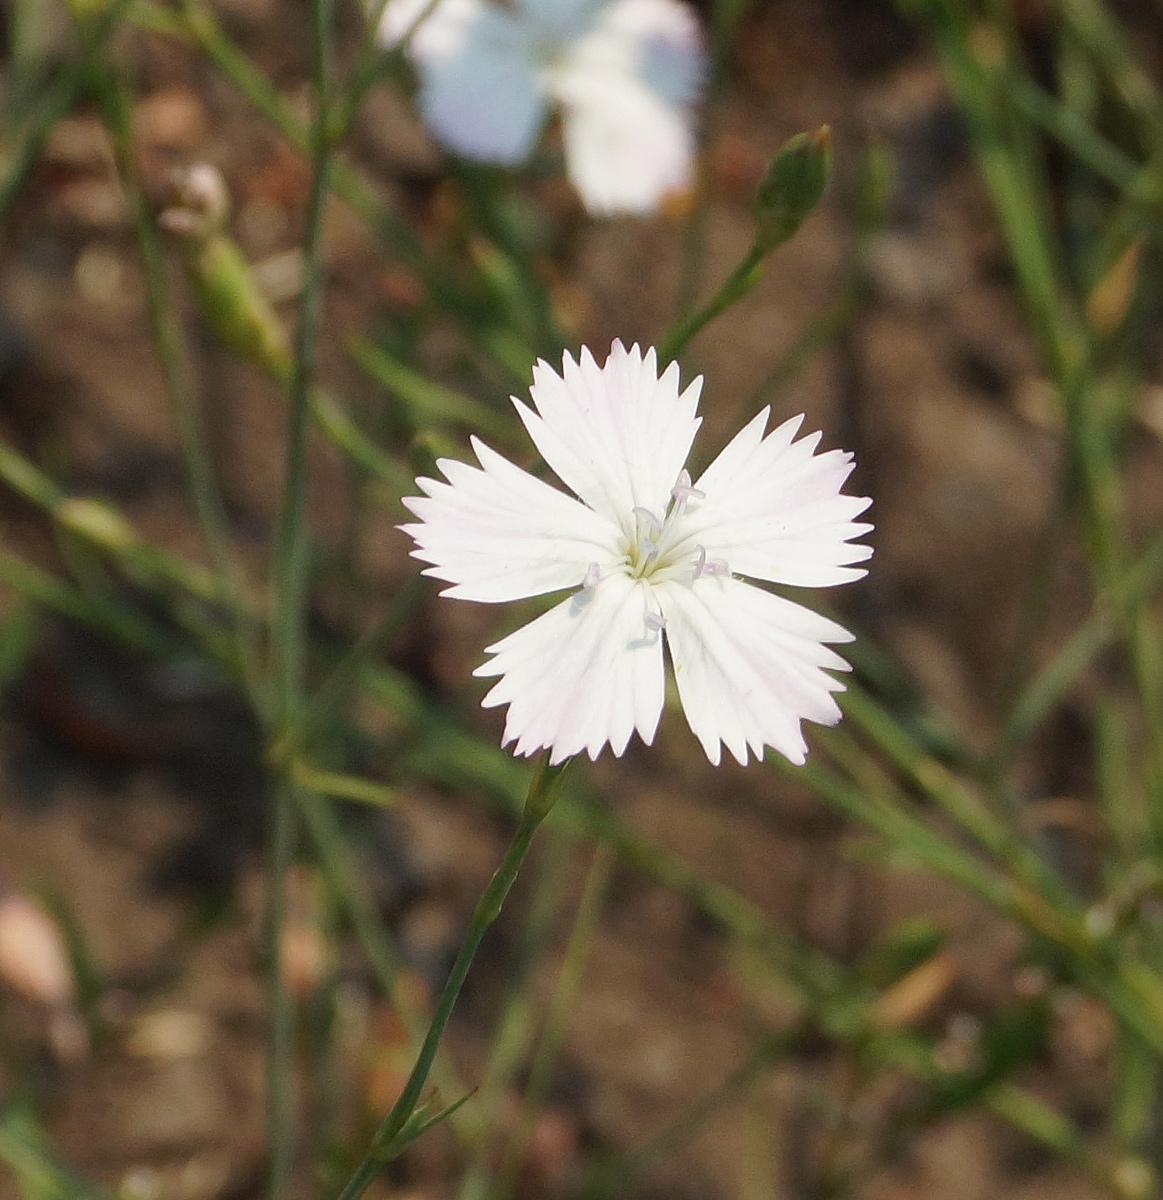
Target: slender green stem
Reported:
point(1020, 197)
point(339, 868)
point(1052, 682)
point(51, 592)
point(569, 980)
point(441, 284)
point(291, 549)
point(516, 1030)
point(59, 95)
point(543, 792)
point(372, 62)
point(189, 591)
point(25, 1149)
point(336, 688)
point(290, 557)
point(280, 1009)
point(617, 1178)
point(174, 361)
point(741, 280)
point(725, 18)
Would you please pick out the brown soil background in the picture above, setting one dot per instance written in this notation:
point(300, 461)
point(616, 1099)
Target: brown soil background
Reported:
point(136, 797)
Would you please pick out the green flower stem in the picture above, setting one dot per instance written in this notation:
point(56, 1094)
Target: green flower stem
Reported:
point(289, 569)
point(1095, 28)
point(290, 551)
point(1021, 205)
point(51, 592)
point(516, 1030)
point(189, 591)
point(1141, 202)
point(791, 187)
point(618, 1177)
point(545, 1059)
point(25, 1148)
point(741, 280)
point(340, 870)
point(957, 800)
point(60, 94)
point(543, 792)
point(337, 687)
point(442, 287)
point(1077, 135)
point(281, 841)
point(371, 63)
point(1132, 989)
point(170, 343)
point(725, 18)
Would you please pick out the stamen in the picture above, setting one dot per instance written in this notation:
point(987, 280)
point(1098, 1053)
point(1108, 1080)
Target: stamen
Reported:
point(709, 566)
point(593, 577)
point(683, 491)
point(655, 622)
point(650, 519)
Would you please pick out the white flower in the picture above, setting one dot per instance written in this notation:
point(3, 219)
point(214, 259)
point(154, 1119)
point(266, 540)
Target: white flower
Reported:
point(650, 555)
point(625, 73)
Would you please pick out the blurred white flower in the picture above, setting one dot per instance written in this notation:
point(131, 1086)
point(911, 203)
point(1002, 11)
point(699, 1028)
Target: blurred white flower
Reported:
point(625, 73)
point(650, 554)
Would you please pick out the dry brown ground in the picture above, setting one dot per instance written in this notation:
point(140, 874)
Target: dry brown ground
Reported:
point(936, 388)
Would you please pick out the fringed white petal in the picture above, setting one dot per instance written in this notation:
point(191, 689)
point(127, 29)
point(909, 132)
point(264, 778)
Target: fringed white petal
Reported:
point(749, 666)
point(587, 673)
point(497, 533)
point(774, 510)
point(617, 435)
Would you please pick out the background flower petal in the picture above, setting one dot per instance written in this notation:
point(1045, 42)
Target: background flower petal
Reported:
point(749, 666)
point(479, 89)
point(616, 435)
point(585, 673)
point(627, 89)
point(774, 511)
point(626, 149)
point(663, 42)
point(497, 533)
point(563, 20)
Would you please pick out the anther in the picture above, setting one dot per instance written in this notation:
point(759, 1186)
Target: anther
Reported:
point(650, 519)
point(709, 566)
point(593, 577)
point(655, 622)
point(683, 491)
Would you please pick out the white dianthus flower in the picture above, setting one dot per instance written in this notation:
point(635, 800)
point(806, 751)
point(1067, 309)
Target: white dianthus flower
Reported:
point(625, 74)
point(652, 556)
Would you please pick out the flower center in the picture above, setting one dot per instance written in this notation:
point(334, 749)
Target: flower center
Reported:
point(659, 545)
point(657, 549)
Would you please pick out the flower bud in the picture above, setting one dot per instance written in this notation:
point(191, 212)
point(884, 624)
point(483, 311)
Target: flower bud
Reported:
point(236, 308)
point(201, 202)
point(220, 277)
point(791, 187)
